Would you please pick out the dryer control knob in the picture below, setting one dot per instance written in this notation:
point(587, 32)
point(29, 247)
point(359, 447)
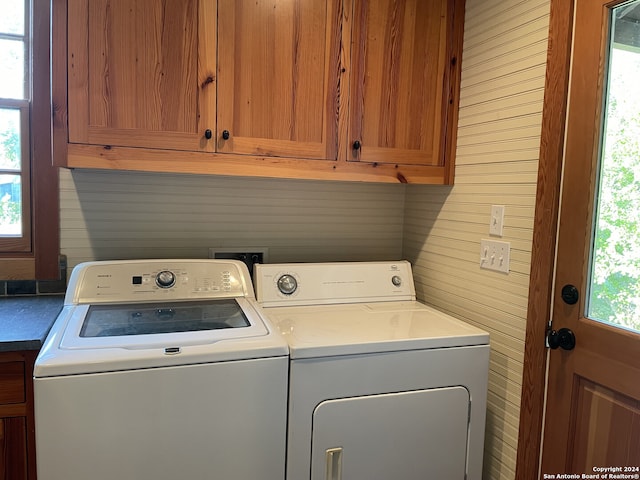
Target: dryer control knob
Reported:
point(165, 279)
point(287, 284)
point(396, 280)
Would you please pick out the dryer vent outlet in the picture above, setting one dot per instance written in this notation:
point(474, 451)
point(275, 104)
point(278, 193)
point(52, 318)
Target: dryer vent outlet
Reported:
point(249, 256)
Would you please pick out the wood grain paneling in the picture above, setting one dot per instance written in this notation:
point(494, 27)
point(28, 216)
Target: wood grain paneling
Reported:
point(13, 449)
point(279, 77)
point(402, 56)
point(501, 99)
point(142, 73)
point(607, 429)
point(17, 442)
point(544, 244)
point(12, 388)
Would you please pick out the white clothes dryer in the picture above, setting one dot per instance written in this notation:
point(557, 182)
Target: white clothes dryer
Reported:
point(380, 386)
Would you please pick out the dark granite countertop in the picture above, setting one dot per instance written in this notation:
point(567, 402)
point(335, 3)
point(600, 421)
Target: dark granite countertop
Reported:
point(25, 321)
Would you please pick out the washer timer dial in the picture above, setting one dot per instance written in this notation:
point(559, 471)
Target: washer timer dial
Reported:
point(287, 284)
point(165, 279)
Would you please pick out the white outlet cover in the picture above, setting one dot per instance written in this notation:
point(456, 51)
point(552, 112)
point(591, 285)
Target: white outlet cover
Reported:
point(496, 222)
point(495, 255)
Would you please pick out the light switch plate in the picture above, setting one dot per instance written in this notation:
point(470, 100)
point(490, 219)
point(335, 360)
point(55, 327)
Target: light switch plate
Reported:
point(495, 255)
point(496, 223)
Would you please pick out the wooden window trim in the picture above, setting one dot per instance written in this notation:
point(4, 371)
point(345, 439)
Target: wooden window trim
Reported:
point(41, 263)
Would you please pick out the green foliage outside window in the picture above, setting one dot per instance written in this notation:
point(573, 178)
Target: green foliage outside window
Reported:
point(615, 287)
point(10, 207)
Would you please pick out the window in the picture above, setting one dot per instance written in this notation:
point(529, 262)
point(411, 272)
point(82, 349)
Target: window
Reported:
point(14, 127)
point(614, 295)
point(29, 215)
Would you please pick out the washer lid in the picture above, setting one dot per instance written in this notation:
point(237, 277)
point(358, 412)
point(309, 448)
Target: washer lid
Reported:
point(106, 338)
point(330, 330)
point(147, 325)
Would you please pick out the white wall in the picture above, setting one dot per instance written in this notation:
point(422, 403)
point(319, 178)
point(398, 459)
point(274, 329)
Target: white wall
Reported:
point(503, 69)
point(111, 215)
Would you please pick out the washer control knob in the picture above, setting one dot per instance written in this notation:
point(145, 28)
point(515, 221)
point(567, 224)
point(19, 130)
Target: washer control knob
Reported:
point(287, 284)
point(165, 279)
point(396, 280)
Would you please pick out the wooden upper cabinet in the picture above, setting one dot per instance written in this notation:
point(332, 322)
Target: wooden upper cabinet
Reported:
point(402, 97)
point(279, 77)
point(142, 73)
point(265, 88)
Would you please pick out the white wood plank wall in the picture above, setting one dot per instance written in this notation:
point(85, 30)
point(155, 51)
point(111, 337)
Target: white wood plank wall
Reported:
point(113, 215)
point(503, 69)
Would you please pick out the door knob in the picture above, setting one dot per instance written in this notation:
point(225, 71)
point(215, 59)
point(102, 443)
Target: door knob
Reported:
point(570, 294)
point(563, 338)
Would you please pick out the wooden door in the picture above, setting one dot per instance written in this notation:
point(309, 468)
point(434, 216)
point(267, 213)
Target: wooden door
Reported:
point(279, 77)
point(593, 398)
point(402, 104)
point(142, 73)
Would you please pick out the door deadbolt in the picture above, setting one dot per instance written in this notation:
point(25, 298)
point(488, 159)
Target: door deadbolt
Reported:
point(570, 294)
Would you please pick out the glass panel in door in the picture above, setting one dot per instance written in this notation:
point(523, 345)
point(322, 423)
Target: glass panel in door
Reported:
point(614, 295)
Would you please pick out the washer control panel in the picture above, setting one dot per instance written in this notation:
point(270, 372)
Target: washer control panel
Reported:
point(325, 283)
point(148, 280)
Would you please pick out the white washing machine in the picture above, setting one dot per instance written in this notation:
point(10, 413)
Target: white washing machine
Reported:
point(380, 386)
point(163, 370)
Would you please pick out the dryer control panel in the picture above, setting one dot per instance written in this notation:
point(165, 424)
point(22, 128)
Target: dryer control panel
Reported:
point(328, 283)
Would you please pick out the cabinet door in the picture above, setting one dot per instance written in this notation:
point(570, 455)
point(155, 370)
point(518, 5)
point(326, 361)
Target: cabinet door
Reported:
point(400, 65)
point(278, 77)
point(142, 73)
point(13, 449)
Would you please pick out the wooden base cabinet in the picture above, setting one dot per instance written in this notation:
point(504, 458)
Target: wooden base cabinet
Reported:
point(355, 90)
point(17, 434)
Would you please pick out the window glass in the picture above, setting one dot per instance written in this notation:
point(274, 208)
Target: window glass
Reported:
point(9, 139)
point(10, 205)
point(12, 69)
point(14, 111)
point(12, 18)
point(614, 295)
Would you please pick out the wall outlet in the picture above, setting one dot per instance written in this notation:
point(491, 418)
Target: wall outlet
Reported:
point(248, 255)
point(495, 255)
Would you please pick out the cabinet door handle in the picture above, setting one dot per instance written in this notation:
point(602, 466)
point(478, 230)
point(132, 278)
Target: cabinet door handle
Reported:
point(208, 134)
point(334, 463)
point(356, 145)
point(225, 134)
